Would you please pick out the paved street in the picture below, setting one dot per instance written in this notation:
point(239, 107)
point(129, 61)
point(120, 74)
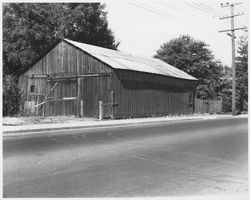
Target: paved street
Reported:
point(165, 159)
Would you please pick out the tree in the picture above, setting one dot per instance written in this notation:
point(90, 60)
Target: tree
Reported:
point(30, 29)
point(242, 75)
point(194, 57)
point(11, 96)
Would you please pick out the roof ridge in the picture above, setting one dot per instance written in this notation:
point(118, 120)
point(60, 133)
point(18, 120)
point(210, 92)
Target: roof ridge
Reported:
point(122, 60)
point(113, 50)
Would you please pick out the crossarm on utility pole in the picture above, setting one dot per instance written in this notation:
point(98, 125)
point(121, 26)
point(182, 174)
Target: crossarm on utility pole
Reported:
point(235, 29)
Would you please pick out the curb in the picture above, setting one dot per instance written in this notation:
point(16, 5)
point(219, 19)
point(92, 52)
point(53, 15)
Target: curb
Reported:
point(31, 131)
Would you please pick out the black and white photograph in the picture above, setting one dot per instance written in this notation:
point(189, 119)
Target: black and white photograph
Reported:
point(125, 99)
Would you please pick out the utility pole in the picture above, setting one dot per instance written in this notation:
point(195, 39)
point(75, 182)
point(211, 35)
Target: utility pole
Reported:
point(232, 35)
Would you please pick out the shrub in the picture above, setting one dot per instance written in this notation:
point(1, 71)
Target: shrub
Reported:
point(11, 95)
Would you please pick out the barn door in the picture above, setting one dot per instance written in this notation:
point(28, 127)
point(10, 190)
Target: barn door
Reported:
point(92, 90)
point(108, 106)
point(61, 97)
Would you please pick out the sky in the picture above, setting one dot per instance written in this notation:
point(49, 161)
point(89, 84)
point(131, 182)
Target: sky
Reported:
point(142, 26)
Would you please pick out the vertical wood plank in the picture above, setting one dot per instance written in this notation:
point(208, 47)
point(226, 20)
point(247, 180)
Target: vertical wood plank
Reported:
point(78, 91)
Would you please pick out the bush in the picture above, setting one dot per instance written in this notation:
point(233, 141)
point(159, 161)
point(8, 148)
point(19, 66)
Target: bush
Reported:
point(227, 102)
point(11, 95)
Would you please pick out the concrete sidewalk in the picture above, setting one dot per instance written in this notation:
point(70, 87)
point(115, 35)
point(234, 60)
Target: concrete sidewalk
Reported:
point(92, 123)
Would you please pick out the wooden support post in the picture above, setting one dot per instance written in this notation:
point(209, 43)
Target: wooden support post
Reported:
point(78, 97)
point(112, 104)
point(44, 110)
point(36, 108)
point(194, 103)
point(81, 108)
point(100, 110)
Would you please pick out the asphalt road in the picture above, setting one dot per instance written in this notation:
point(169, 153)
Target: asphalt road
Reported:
point(206, 157)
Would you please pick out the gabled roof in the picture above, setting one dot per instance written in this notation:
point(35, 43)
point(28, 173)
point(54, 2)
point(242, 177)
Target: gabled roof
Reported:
point(120, 60)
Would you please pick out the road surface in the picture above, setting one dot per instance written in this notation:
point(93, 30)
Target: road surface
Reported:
point(207, 157)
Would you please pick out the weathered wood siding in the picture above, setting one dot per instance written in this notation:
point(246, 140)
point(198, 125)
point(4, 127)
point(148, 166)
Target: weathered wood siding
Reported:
point(142, 94)
point(66, 60)
point(134, 94)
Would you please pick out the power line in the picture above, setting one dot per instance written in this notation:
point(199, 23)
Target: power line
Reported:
point(190, 14)
point(202, 9)
point(171, 17)
point(181, 11)
point(212, 9)
point(184, 10)
point(154, 11)
point(206, 9)
point(199, 8)
point(197, 25)
point(151, 11)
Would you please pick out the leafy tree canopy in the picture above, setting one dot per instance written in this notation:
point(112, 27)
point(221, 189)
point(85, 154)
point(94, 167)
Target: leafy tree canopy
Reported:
point(194, 57)
point(242, 75)
point(29, 29)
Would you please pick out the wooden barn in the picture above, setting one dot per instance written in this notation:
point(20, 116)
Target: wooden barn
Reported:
point(73, 78)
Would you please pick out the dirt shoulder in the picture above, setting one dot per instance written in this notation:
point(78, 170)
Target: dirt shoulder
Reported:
point(19, 121)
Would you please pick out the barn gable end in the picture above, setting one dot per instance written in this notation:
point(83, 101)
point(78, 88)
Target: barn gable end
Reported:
point(64, 60)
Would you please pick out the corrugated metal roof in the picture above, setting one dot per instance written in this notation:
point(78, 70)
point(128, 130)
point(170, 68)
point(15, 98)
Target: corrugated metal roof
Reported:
point(121, 60)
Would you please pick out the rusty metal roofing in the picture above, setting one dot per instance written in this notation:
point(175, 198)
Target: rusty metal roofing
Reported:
point(125, 61)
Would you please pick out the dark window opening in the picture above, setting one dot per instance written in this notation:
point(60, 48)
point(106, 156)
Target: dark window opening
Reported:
point(32, 88)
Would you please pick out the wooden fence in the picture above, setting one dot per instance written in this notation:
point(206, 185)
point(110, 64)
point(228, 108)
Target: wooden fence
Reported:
point(208, 106)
